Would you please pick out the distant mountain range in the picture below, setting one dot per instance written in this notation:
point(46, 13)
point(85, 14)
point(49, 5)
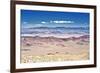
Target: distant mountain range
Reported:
point(58, 28)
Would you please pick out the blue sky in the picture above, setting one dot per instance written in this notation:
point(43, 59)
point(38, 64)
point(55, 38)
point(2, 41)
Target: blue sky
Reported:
point(35, 18)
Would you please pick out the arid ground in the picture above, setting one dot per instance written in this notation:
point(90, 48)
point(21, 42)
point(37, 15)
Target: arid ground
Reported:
point(49, 49)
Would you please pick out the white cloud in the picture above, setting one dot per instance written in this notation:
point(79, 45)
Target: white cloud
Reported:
point(43, 22)
point(58, 22)
point(61, 22)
